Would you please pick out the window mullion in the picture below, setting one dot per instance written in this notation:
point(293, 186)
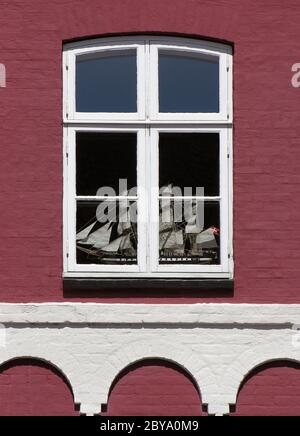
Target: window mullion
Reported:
point(148, 81)
point(142, 202)
point(153, 199)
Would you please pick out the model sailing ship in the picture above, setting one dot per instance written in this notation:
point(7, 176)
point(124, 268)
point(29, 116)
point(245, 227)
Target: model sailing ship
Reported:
point(185, 240)
point(110, 242)
point(179, 242)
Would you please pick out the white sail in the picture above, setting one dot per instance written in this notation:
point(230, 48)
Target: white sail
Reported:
point(167, 206)
point(81, 236)
point(192, 226)
point(189, 212)
point(167, 213)
point(101, 237)
point(207, 239)
point(171, 240)
point(114, 246)
point(125, 222)
point(166, 191)
point(126, 243)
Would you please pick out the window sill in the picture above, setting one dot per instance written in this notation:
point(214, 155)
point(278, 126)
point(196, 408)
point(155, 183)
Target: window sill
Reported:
point(100, 284)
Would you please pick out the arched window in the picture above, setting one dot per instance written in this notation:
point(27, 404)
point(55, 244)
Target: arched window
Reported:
point(148, 149)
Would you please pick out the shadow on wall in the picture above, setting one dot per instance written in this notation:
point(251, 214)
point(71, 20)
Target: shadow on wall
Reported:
point(143, 295)
point(31, 387)
point(272, 389)
point(154, 388)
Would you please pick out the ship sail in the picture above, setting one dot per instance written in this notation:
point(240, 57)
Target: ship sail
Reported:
point(181, 238)
point(172, 240)
point(185, 237)
point(109, 241)
point(125, 221)
point(113, 247)
point(101, 237)
point(82, 236)
point(207, 239)
point(126, 243)
point(98, 239)
point(192, 226)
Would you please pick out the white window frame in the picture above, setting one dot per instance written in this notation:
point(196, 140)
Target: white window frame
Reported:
point(70, 56)
point(223, 53)
point(147, 123)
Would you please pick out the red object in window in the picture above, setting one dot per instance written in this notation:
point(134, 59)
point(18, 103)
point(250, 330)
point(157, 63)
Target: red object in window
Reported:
point(215, 230)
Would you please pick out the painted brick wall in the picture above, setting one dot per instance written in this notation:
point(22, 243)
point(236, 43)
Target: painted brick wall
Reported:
point(32, 388)
point(271, 390)
point(218, 345)
point(154, 388)
point(266, 139)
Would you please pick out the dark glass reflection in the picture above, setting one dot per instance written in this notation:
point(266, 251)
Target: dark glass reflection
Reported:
point(107, 82)
point(188, 83)
point(103, 159)
point(106, 233)
point(189, 233)
point(190, 160)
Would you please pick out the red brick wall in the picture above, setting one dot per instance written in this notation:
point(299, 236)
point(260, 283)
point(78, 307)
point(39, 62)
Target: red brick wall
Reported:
point(266, 138)
point(154, 388)
point(33, 388)
point(271, 390)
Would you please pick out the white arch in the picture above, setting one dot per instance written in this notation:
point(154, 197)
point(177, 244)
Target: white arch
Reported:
point(13, 357)
point(251, 360)
point(159, 350)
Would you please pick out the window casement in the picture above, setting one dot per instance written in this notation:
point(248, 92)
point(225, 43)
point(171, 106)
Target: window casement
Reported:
point(147, 158)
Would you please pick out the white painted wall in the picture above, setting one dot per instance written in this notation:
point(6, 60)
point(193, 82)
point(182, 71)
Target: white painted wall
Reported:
point(218, 344)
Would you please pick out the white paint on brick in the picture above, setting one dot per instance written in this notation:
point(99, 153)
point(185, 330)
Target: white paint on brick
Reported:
point(78, 313)
point(218, 344)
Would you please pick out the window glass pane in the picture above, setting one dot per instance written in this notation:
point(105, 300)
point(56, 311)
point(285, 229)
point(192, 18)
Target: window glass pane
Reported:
point(189, 232)
point(107, 82)
point(106, 233)
point(188, 83)
point(103, 159)
point(190, 160)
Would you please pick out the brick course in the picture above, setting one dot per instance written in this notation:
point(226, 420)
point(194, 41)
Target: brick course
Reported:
point(34, 388)
point(265, 37)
